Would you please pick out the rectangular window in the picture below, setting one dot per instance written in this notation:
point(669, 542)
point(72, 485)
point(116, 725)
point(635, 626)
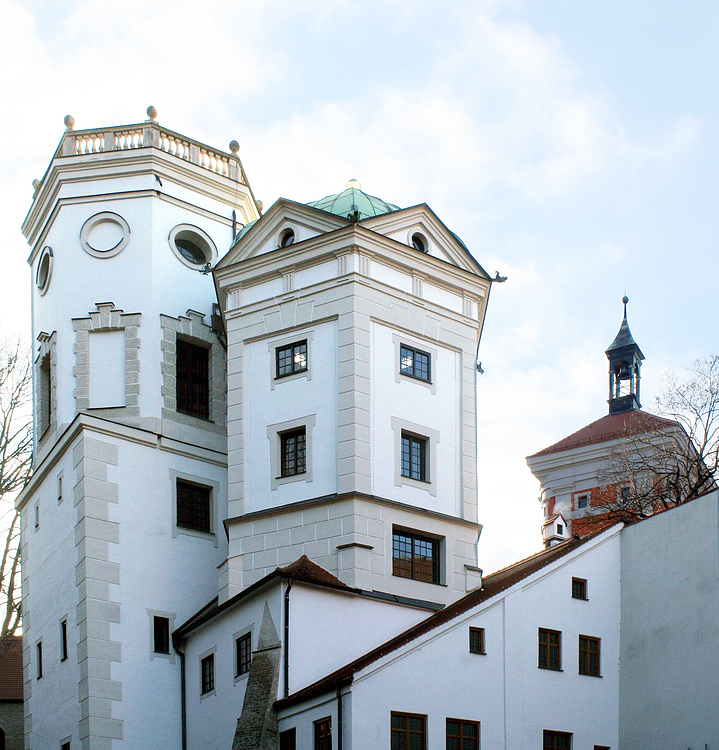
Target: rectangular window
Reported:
point(291, 359)
point(37, 515)
point(38, 652)
point(415, 363)
point(161, 635)
point(476, 641)
point(323, 734)
point(579, 588)
point(59, 488)
point(589, 656)
point(193, 379)
point(602, 747)
point(293, 452)
point(193, 506)
point(65, 746)
point(462, 735)
point(415, 557)
point(414, 457)
point(557, 740)
point(45, 394)
point(409, 732)
point(550, 649)
point(63, 640)
point(243, 654)
point(288, 739)
point(582, 501)
point(207, 670)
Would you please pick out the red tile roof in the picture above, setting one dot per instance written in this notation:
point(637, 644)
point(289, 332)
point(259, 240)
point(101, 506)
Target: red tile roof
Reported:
point(611, 427)
point(491, 586)
point(11, 668)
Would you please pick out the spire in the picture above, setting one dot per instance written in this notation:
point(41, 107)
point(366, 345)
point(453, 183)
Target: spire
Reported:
point(625, 359)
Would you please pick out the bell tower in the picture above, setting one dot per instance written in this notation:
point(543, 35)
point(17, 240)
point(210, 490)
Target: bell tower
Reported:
point(625, 363)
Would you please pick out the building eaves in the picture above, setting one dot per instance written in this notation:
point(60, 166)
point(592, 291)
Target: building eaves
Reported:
point(492, 585)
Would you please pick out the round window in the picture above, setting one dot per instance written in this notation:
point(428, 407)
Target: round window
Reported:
point(287, 238)
point(44, 270)
point(419, 242)
point(192, 246)
point(104, 235)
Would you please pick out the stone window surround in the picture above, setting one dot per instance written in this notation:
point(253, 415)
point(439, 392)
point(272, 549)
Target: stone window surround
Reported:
point(171, 616)
point(399, 377)
point(108, 318)
point(273, 435)
point(432, 436)
point(274, 344)
point(210, 652)
point(47, 348)
point(235, 637)
point(192, 329)
point(214, 494)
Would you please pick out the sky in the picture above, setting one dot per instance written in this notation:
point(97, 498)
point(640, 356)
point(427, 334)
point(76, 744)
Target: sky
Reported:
point(572, 145)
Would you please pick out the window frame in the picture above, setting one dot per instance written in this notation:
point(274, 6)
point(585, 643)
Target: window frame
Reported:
point(291, 348)
point(406, 731)
point(207, 674)
point(63, 639)
point(322, 733)
point(592, 666)
point(288, 739)
point(436, 558)
point(38, 657)
point(579, 589)
point(164, 635)
point(195, 489)
point(274, 435)
point(462, 723)
point(547, 648)
point(240, 663)
point(480, 640)
point(293, 452)
point(411, 372)
point(192, 380)
point(410, 443)
point(401, 428)
point(425, 348)
point(553, 736)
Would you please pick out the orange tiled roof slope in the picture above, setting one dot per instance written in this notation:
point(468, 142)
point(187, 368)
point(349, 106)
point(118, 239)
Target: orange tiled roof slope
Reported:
point(611, 427)
point(11, 668)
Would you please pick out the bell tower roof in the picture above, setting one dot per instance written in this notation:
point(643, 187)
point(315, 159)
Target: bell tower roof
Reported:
point(624, 336)
point(625, 361)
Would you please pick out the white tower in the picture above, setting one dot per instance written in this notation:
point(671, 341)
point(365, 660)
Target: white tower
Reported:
point(122, 521)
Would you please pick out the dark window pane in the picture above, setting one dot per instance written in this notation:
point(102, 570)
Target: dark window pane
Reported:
point(414, 363)
point(288, 739)
point(415, 557)
point(161, 635)
point(414, 457)
point(208, 673)
point(291, 359)
point(193, 379)
point(244, 653)
point(193, 506)
point(293, 452)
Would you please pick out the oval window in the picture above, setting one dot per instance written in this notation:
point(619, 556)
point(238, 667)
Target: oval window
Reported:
point(44, 270)
point(104, 235)
point(419, 242)
point(192, 246)
point(287, 238)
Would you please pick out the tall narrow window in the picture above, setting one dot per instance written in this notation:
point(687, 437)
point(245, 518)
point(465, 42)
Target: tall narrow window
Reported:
point(414, 457)
point(291, 359)
point(414, 556)
point(194, 506)
point(462, 735)
point(161, 635)
point(65, 746)
point(476, 641)
point(415, 363)
point(38, 653)
point(579, 588)
point(45, 394)
point(557, 740)
point(408, 731)
point(59, 488)
point(589, 656)
point(323, 734)
point(63, 640)
point(293, 452)
point(193, 379)
point(243, 654)
point(550, 649)
point(207, 671)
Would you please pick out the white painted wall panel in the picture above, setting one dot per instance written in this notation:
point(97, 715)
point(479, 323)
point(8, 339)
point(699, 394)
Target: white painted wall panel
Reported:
point(107, 369)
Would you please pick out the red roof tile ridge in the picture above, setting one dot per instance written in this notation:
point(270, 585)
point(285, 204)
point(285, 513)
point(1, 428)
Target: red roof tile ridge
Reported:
point(303, 569)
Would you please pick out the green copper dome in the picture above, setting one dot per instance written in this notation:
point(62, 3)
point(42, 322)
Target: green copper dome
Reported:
point(353, 204)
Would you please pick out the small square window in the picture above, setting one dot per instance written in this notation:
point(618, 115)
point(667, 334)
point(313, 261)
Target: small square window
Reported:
point(560, 529)
point(579, 588)
point(243, 654)
point(414, 457)
point(583, 501)
point(194, 506)
point(462, 735)
point(557, 740)
point(589, 649)
point(293, 452)
point(414, 556)
point(476, 641)
point(550, 649)
point(288, 739)
point(291, 359)
point(207, 670)
point(323, 734)
point(415, 363)
point(161, 635)
point(63, 640)
point(193, 379)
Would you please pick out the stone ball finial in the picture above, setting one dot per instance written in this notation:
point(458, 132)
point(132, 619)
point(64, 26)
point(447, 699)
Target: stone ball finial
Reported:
point(234, 146)
point(353, 184)
point(625, 299)
point(36, 184)
point(260, 205)
point(152, 112)
point(69, 122)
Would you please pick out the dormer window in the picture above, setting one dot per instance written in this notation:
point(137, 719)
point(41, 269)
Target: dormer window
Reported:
point(287, 237)
point(560, 529)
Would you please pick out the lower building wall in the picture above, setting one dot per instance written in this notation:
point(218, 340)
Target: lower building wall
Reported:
point(11, 725)
point(669, 696)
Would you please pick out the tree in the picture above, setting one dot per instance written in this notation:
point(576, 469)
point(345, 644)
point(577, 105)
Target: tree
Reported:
point(15, 471)
point(675, 461)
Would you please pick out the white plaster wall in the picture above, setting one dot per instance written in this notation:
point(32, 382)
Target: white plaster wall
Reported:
point(392, 277)
point(442, 297)
point(413, 401)
point(269, 401)
point(670, 629)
